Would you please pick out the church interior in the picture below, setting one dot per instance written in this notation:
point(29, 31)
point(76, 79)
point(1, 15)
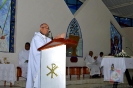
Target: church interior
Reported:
point(93, 24)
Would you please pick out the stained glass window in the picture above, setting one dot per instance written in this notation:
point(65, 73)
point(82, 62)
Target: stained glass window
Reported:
point(7, 25)
point(125, 21)
point(115, 40)
point(74, 33)
point(73, 5)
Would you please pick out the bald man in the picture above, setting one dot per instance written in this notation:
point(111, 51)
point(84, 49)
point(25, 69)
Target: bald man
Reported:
point(39, 39)
point(92, 64)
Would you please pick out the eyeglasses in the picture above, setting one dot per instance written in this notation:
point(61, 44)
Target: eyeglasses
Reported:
point(45, 27)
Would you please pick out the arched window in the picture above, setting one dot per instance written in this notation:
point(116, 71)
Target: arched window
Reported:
point(74, 33)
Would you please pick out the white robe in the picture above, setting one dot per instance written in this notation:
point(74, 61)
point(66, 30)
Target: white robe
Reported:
point(92, 65)
point(33, 76)
point(23, 56)
point(99, 60)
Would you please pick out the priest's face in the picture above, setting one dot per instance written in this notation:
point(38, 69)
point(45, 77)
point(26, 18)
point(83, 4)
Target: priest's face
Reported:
point(44, 29)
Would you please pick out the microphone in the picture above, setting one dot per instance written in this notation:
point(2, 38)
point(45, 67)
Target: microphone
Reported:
point(129, 49)
point(51, 35)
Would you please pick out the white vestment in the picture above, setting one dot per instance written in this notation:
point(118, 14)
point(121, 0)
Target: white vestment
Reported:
point(33, 76)
point(23, 56)
point(3, 43)
point(93, 65)
point(99, 60)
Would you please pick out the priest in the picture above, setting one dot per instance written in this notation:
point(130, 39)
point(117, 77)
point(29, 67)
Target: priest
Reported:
point(92, 64)
point(23, 59)
point(39, 39)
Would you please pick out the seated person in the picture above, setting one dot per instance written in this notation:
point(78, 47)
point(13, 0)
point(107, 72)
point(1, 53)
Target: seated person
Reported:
point(99, 59)
point(23, 59)
point(92, 64)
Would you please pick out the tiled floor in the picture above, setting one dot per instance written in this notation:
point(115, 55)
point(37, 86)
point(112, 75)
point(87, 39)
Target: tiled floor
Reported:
point(74, 83)
point(79, 86)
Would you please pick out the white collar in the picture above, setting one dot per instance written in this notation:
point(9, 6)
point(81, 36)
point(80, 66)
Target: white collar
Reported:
point(38, 33)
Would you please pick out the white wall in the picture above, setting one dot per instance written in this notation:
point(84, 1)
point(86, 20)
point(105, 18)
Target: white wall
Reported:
point(93, 17)
point(128, 44)
point(129, 32)
point(30, 14)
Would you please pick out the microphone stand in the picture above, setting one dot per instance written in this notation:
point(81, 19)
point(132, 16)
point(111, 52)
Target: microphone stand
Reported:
point(51, 35)
point(129, 49)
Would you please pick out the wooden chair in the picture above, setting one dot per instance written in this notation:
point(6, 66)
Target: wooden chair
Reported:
point(75, 71)
point(19, 73)
point(5, 84)
point(85, 71)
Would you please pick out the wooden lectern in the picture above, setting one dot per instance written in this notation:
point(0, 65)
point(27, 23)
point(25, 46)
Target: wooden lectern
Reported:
point(53, 63)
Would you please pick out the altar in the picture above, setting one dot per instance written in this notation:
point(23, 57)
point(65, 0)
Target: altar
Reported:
point(120, 65)
point(7, 73)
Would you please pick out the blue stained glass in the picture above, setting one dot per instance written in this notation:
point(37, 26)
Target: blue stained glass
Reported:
point(117, 18)
point(116, 40)
point(74, 30)
point(132, 22)
point(73, 5)
point(71, 1)
point(7, 14)
point(125, 21)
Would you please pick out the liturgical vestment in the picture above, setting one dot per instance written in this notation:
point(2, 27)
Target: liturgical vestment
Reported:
point(92, 65)
point(33, 76)
point(23, 56)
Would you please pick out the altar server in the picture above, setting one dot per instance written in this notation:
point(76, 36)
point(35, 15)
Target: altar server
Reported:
point(99, 59)
point(23, 59)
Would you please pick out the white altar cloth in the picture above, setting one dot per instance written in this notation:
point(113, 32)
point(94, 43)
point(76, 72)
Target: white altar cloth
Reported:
point(119, 64)
point(129, 63)
point(7, 73)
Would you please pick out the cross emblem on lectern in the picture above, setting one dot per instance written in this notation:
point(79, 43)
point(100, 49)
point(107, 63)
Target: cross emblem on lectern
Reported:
point(54, 67)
